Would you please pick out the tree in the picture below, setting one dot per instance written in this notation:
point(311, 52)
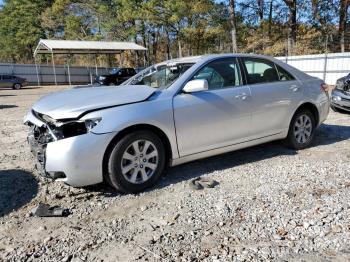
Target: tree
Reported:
point(20, 29)
point(233, 25)
point(343, 11)
point(292, 23)
point(169, 28)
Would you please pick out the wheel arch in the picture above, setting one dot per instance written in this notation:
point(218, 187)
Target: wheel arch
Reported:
point(160, 133)
point(312, 108)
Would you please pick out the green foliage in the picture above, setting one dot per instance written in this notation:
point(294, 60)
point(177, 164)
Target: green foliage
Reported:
point(20, 28)
point(169, 28)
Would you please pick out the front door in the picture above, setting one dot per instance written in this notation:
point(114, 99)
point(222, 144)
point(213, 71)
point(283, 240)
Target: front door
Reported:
point(215, 118)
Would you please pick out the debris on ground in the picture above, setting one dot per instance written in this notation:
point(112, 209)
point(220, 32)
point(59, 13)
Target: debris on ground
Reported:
point(45, 210)
point(199, 183)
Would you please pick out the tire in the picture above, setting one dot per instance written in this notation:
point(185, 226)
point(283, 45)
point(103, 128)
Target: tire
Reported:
point(17, 86)
point(129, 171)
point(301, 130)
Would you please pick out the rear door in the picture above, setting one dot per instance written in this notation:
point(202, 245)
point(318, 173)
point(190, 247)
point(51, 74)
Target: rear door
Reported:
point(275, 94)
point(215, 118)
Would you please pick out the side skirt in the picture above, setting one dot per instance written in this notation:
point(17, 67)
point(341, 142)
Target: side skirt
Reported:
point(222, 150)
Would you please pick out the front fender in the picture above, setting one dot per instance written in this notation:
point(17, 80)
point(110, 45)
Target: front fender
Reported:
point(158, 113)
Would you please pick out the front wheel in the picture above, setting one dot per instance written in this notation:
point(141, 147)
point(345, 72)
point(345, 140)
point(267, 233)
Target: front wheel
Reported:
point(17, 86)
point(136, 162)
point(301, 130)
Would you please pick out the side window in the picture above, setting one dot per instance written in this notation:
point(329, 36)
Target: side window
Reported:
point(220, 73)
point(122, 72)
point(260, 71)
point(131, 71)
point(283, 74)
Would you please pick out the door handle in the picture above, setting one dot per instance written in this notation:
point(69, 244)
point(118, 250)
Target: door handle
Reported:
point(294, 88)
point(242, 96)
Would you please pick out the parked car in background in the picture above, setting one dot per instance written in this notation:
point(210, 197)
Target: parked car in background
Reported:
point(116, 76)
point(172, 113)
point(139, 69)
point(14, 82)
point(340, 101)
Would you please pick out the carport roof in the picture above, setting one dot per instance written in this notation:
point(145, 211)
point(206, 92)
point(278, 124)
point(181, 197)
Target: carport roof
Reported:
point(46, 46)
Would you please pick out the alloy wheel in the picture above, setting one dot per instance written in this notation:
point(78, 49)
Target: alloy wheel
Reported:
point(139, 161)
point(303, 129)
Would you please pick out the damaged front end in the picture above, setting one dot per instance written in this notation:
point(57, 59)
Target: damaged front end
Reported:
point(43, 130)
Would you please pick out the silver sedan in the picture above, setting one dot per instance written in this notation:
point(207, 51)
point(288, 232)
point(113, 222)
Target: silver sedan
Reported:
point(171, 113)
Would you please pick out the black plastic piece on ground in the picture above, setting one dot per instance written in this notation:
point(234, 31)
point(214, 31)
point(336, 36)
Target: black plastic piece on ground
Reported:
point(44, 210)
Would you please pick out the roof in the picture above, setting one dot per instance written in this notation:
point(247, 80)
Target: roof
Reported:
point(46, 46)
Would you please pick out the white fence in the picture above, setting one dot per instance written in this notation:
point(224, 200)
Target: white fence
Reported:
point(328, 67)
point(44, 74)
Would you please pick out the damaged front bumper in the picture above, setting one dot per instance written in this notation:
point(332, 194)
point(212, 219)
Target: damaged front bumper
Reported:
point(76, 160)
point(341, 99)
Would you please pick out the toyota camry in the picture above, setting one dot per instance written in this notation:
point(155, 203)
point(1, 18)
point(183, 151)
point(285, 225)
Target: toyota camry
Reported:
point(172, 113)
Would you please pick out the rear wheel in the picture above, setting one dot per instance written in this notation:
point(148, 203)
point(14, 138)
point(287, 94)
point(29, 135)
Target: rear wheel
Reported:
point(17, 86)
point(136, 162)
point(301, 130)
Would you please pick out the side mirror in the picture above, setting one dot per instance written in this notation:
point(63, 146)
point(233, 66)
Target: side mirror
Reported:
point(196, 86)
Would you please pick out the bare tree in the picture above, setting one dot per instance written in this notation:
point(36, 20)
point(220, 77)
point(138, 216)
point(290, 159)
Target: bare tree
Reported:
point(270, 17)
point(292, 22)
point(233, 26)
point(261, 9)
point(343, 10)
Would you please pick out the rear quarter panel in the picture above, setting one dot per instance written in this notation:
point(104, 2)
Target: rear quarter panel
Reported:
point(314, 95)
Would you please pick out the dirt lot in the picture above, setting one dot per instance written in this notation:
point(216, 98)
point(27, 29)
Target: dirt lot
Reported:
point(271, 203)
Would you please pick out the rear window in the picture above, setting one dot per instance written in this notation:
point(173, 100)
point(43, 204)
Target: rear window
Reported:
point(283, 74)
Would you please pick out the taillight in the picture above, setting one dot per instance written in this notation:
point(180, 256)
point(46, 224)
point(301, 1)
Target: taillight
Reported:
point(325, 88)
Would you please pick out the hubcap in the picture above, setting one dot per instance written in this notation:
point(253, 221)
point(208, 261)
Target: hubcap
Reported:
point(303, 129)
point(139, 161)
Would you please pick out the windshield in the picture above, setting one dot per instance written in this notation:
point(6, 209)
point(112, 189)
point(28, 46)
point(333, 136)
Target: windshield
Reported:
point(114, 71)
point(159, 76)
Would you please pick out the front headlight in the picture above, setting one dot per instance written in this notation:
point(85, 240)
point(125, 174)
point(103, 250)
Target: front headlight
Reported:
point(74, 128)
point(102, 78)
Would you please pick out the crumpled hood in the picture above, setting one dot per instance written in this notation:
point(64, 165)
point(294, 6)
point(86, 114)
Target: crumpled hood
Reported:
point(72, 103)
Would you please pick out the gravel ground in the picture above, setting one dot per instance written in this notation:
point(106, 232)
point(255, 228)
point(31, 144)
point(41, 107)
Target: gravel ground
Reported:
point(271, 203)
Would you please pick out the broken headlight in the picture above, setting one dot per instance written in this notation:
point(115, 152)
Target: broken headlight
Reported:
point(73, 128)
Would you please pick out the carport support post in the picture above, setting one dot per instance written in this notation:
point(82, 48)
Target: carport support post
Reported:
point(68, 58)
point(122, 58)
point(37, 71)
point(54, 69)
point(96, 65)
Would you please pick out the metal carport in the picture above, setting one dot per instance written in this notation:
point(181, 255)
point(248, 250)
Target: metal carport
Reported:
point(68, 47)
